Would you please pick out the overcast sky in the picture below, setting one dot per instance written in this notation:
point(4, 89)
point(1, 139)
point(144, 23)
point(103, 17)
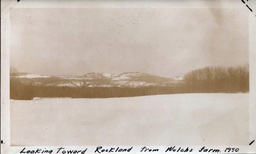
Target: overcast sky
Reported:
point(165, 42)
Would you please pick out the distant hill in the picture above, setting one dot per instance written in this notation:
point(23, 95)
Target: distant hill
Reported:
point(93, 79)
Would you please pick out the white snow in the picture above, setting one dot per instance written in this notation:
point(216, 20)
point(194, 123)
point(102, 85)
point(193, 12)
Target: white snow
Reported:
point(127, 76)
point(71, 84)
point(66, 85)
point(178, 78)
point(37, 98)
point(33, 76)
point(78, 83)
point(107, 75)
point(77, 78)
point(135, 83)
point(182, 119)
point(121, 82)
point(123, 77)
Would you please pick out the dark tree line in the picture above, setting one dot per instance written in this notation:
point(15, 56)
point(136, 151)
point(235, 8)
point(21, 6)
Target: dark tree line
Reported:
point(219, 79)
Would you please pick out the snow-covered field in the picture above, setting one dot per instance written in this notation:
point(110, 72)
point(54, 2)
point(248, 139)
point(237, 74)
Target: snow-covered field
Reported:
point(182, 119)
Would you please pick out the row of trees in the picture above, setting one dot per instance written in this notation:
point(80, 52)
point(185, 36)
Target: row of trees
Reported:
point(219, 79)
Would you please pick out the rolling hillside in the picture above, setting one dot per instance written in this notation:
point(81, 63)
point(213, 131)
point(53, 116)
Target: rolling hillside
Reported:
point(93, 79)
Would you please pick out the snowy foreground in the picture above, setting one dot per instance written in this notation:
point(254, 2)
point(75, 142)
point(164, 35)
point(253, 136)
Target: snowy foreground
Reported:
point(182, 119)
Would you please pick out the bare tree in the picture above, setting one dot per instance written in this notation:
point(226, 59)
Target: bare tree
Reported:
point(228, 79)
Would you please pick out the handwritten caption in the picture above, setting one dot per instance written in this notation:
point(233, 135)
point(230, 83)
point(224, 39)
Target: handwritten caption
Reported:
point(143, 149)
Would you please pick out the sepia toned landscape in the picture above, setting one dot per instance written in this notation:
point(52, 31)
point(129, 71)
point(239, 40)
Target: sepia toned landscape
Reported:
point(133, 76)
point(26, 86)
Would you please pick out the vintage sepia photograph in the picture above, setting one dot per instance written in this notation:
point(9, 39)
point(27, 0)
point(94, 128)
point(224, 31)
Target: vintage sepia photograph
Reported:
point(129, 76)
